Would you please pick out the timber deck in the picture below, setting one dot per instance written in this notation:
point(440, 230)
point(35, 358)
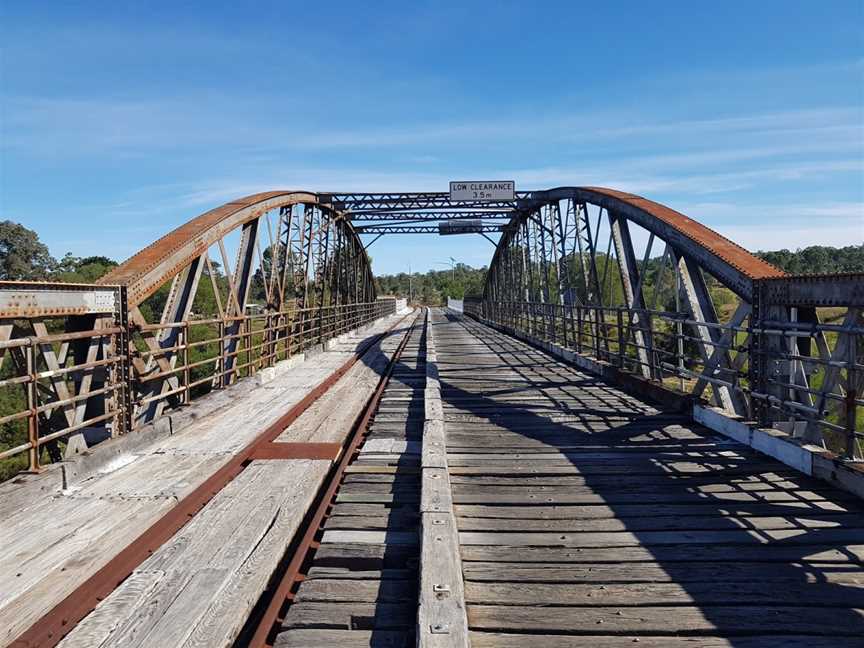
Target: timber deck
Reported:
point(587, 517)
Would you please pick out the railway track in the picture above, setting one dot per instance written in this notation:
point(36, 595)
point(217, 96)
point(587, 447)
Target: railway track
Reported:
point(342, 577)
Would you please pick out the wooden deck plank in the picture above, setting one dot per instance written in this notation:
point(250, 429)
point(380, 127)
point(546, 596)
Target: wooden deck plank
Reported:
point(504, 640)
point(730, 571)
point(707, 592)
point(344, 639)
point(671, 554)
point(348, 616)
point(702, 619)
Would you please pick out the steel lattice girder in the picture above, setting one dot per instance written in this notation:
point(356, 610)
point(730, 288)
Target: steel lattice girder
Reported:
point(422, 229)
point(731, 264)
point(357, 202)
point(427, 215)
point(307, 239)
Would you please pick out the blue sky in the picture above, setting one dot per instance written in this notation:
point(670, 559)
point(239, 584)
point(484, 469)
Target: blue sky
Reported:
point(121, 120)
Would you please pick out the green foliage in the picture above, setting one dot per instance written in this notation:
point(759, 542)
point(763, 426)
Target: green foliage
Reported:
point(74, 269)
point(434, 286)
point(817, 259)
point(22, 255)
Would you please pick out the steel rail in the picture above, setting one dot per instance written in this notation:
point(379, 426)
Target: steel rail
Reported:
point(283, 592)
point(49, 630)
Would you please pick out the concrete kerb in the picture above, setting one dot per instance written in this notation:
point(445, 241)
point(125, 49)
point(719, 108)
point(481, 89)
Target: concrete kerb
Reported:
point(807, 459)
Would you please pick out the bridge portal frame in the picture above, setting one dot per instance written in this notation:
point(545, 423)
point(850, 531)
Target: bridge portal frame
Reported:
point(549, 276)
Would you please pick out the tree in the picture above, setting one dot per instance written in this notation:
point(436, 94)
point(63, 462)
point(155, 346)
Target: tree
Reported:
point(22, 254)
point(72, 269)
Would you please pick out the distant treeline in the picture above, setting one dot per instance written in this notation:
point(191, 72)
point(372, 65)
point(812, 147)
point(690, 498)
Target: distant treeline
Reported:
point(24, 256)
point(818, 259)
point(435, 286)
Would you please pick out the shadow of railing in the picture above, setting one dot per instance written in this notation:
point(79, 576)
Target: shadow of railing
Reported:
point(757, 550)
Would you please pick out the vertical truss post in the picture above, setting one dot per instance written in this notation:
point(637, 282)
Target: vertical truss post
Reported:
point(701, 308)
point(242, 281)
point(545, 270)
point(177, 307)
point(565, 288)
point(632, 291)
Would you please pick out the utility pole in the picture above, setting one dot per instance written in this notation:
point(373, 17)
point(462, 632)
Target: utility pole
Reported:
point(409, 284)
point(452, 264)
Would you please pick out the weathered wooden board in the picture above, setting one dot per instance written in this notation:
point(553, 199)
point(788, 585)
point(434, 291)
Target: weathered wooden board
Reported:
point(653, 594)
point(652, 538)
point(765, 573)
point(840, 552)
point(503, 640)
point(344, 639)
point(709, 619)
point(805, 509)
point(350, 616)
point(364, 590)
point(688, 523)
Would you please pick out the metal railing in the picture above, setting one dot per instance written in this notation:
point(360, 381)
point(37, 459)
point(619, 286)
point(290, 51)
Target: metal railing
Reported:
point(119, 376)
point(767, 365)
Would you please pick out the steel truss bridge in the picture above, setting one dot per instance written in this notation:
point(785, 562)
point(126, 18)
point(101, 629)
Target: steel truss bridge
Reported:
point(638, 432)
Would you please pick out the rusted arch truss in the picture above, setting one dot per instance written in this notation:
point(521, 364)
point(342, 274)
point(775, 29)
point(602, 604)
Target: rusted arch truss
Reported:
point(299, 257)
point(566, 269)
point(553, 253)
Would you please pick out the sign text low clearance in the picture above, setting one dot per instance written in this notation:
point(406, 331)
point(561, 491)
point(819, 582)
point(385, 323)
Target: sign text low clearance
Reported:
point(486, 190)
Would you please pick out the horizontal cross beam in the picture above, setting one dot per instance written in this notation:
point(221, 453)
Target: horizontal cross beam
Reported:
point(425, 229)
point(427, 215)
point(409, 200)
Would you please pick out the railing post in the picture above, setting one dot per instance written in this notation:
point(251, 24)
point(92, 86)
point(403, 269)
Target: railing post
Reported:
point(621, 350)
point(851, 396)
point(221, 363)
point(679, 346)
point(250, 366)
point(126, 377)
point(654, 369)
point(598, 314)
point(565, 311)
point(32, 405)
point(757, 360)
point(579, 329)
point(184, 333)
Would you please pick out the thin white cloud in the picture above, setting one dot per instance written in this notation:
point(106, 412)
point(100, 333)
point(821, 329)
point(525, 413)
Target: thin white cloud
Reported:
point(72, 127)
point(771, 237)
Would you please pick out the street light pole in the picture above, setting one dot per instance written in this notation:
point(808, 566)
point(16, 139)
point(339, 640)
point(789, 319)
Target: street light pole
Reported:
point(452, 264)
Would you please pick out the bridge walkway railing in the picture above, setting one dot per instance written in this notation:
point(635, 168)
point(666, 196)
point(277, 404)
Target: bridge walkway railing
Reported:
point(73, 364)
point(801, 377)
